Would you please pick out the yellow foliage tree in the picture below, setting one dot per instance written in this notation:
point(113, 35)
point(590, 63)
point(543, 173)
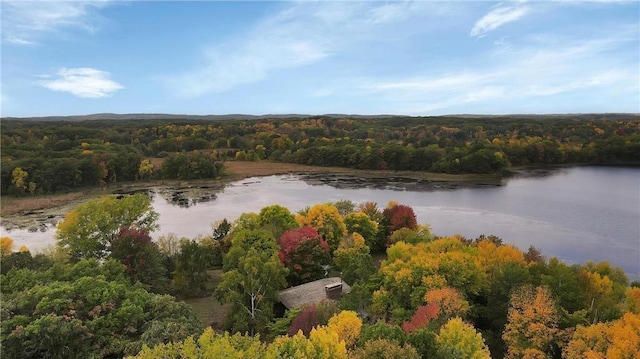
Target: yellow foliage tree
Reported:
point(208, 345)
point(532, 322)
point(326, 219)
point(615, 340)
point(19, 178)
point(6, 246)
point(347, 325)
point(492, 257)
point(458, 340)
point(632, 300)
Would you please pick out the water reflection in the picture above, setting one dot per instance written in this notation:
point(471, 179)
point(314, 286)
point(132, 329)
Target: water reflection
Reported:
point(187, 197)
point(577, 214)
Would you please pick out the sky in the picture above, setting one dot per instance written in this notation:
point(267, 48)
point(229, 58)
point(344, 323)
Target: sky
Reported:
point(415, 58)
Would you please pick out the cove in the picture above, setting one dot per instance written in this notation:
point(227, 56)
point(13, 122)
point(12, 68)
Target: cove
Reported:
point(575, 214)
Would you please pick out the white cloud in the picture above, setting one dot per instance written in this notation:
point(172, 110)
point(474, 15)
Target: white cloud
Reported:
point(546, 69)
point(83, 82)
point(24, 22)
point(302, 34)
point(498, 17)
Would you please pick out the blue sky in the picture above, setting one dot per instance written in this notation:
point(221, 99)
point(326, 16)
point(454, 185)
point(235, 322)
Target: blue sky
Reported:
point(355, 57)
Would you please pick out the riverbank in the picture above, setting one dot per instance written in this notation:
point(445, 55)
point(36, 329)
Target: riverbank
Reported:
point(235, 171)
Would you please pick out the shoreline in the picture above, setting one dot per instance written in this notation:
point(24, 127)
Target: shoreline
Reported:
point(36, 212)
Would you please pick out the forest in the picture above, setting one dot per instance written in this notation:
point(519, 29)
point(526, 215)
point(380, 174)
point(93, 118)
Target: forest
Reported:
point(43, 157)
point(108, 291)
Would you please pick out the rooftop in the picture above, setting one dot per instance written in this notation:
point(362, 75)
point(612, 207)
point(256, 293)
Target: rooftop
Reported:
point(309, 293)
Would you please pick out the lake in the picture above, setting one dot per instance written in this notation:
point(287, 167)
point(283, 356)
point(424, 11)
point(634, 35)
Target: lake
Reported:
point(575, 214)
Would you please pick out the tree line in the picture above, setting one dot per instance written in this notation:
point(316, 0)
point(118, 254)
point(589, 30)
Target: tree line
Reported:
point(106, 290)
point(51, 156)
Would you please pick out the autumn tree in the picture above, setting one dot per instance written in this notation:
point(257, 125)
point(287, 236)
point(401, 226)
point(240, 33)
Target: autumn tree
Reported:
point(326, 219)
point(313, 315)
point(412, 270)
point(6, 246)
point(399, 216)
point(19, 178)
point(371, 210)
point(348, 325)
point(207, 345)
point(141, 258)
point(146, 169)
point(421, 318)
point(449, 301)
point(632, 300)
point(360, 223)
point(303, 252)
point(532, 321)
point(322, 344)
point(88, 230)
point(614, 340)
point(458, 340)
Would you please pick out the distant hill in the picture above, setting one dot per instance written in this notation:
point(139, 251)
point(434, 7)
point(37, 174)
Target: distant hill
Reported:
point(164, 116)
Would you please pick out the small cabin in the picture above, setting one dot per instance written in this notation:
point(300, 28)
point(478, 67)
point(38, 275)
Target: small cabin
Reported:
point(313, 292)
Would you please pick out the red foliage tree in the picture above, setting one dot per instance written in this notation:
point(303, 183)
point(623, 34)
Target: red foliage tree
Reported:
point(421, 318)
point(141, 257)
point(311, 316)
point(400, 216)
point(303, 252)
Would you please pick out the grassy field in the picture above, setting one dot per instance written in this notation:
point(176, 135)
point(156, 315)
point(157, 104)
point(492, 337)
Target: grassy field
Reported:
point(209, 311)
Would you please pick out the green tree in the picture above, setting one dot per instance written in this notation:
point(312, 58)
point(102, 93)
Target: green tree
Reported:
point(277, 219)
point(252, 288)
point(385, 349)
point(190, 276)
point(88, 230)
point(86, 310)
point(245, 240)
point(353, 259)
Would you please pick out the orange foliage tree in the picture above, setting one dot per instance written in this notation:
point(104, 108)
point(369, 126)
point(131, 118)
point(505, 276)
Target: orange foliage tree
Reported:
point(532, 322)
point(424, 314)
point(615, 340)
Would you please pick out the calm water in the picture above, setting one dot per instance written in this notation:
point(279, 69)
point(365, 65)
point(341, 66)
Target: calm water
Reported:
point(576, 214)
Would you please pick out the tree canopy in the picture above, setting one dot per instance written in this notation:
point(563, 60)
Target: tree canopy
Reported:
point(88, 230)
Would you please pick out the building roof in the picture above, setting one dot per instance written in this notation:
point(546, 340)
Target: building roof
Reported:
point(309, 293)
